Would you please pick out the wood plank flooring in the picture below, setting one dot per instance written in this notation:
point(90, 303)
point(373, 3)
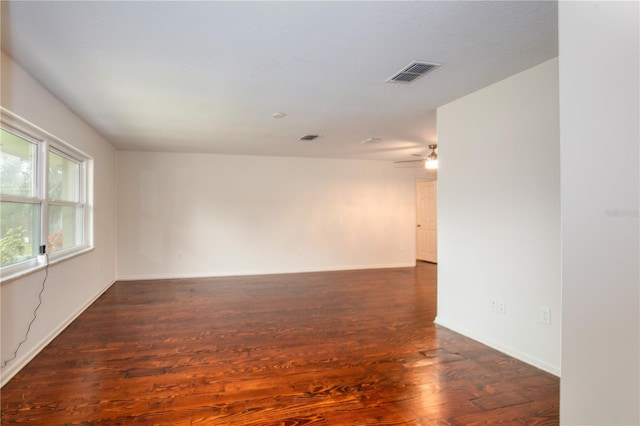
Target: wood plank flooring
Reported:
point(330, 348)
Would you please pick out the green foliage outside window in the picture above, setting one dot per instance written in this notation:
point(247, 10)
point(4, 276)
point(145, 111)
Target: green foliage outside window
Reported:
point(12, 246)
point(18, 217)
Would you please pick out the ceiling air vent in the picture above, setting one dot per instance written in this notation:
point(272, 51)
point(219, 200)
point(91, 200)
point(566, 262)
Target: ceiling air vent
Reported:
point(372, 139)
point(412, 72)
point(309, 137)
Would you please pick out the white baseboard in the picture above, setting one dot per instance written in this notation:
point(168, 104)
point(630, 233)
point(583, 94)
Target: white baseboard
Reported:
point(553, 369)
point(179, 275)
point(17, 364)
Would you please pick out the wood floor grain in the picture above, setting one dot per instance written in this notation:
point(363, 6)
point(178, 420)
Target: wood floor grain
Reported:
point(330, 348)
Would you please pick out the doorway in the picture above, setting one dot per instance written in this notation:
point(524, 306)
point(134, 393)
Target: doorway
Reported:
point(427, 220)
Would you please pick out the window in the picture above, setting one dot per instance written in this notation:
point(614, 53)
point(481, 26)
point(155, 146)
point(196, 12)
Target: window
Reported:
point(43, 198)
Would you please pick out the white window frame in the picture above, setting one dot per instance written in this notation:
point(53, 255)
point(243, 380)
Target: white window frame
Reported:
point(46, 143)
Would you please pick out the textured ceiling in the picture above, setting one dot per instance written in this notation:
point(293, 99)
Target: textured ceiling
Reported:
point(207, 76)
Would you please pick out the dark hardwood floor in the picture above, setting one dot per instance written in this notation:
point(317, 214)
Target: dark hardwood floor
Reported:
point(331, 348)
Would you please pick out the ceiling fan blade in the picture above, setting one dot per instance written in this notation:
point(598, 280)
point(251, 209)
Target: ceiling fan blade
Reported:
point(409, 161)
point(409, 166)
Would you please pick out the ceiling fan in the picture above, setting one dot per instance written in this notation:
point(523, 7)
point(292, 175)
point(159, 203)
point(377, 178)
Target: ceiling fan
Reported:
point(430, 161)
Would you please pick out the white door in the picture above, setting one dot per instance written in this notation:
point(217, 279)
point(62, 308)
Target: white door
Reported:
point(427, 221)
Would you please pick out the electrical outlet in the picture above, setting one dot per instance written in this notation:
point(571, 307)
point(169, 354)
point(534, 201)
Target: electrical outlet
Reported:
point(502, 306)
point(493, 305)
point(545, 315)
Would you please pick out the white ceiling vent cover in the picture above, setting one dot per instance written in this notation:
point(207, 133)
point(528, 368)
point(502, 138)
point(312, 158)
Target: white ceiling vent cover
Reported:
point(372, 139)
point(412, 72)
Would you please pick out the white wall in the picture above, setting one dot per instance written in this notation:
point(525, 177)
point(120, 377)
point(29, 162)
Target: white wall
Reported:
point(183, 215)
point(72, 284)
point(499, 215)
point(599, 110)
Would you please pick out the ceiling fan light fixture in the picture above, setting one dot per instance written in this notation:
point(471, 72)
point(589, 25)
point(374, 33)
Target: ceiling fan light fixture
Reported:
point(431, 163)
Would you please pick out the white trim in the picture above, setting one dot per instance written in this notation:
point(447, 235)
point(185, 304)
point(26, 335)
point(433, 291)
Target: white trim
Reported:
point(221, 274)
point(52, 261)
point(17, 199)
point(552, 369)
point(17, 364)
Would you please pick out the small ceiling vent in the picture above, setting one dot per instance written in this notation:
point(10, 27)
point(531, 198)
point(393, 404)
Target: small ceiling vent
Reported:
point(412, 72)
point(372, 139)
point(309, 137)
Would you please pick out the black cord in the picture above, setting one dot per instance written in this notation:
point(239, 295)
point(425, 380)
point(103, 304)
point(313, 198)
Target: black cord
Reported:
point(35, 314)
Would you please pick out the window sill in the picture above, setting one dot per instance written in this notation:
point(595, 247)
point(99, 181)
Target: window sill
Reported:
point(41, 266)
